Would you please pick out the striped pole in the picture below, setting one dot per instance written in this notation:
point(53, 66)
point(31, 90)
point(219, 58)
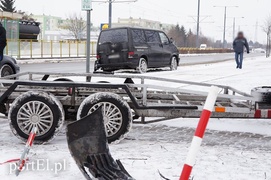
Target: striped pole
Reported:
point(27, 147)
point(197, 140)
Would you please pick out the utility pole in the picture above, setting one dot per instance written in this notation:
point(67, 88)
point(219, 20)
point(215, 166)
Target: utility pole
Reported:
point(197, 43)
point(225, 24)
point(110, 2)
point(110, 14)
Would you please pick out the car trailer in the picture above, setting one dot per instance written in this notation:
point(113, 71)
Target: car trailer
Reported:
point(47, 100)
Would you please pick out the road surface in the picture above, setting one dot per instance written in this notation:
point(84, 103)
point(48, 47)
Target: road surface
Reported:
point(79, 67)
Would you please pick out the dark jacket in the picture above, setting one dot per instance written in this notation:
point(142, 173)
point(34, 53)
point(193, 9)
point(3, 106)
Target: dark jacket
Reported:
point(3, 39)
point(239, 44)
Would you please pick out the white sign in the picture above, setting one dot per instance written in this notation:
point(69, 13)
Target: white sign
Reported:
point(86, 5)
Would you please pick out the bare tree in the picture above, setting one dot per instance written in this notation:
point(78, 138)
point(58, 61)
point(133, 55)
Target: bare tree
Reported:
point(267, 30)
point(76, 25)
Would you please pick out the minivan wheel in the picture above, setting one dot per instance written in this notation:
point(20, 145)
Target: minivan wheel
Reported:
point(173, 64)
point(143, 66)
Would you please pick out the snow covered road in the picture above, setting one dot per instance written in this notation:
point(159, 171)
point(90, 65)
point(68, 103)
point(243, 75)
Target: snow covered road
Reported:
point(232, 149)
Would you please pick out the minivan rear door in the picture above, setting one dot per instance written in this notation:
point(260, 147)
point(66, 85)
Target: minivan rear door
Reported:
point(155, 48)
point(113, 46)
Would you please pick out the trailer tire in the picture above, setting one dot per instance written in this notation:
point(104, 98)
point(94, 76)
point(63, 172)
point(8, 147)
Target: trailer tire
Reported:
point(121, 120)
point(262, 94)
point(39, 109)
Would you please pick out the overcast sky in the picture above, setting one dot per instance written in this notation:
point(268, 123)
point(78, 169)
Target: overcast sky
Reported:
point(168, 11)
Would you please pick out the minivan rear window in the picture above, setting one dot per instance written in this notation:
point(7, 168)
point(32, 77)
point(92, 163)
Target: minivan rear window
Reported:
point(114, 36)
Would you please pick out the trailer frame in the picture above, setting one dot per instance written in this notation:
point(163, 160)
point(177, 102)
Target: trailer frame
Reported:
point(145, 98)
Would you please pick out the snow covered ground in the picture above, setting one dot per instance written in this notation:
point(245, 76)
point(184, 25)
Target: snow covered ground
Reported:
point(231, 150)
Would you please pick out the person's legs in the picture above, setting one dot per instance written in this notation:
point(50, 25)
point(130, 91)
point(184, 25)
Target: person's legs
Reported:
point(237, 59)
point(241, 60)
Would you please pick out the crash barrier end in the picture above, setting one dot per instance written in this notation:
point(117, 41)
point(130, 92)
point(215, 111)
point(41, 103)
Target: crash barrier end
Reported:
point(199, 133)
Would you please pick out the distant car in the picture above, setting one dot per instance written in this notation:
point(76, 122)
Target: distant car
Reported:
point(135, 48)
point(203, 46)
point(9, 66)
point(259, 50)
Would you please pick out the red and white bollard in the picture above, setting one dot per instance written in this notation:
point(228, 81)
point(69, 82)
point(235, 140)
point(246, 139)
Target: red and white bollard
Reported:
point(197, 139)
point(28, 145)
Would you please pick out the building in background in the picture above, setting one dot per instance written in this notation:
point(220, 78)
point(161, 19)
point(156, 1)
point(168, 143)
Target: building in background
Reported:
point(51, 27)
point(143, 23)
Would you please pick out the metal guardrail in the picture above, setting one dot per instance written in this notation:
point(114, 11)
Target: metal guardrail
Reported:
point(31, 49)
point(227, 91)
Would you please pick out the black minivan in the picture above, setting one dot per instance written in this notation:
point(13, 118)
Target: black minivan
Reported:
point(135, 48)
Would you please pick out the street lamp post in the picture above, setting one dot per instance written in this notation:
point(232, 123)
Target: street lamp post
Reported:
point(197, 43)
point(110, 2)
point(225, 24)
point(234, 26)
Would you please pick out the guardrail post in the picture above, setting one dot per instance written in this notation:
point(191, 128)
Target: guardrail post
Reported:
point(31, 49)
point(226, 91)
point(92, 48)
point(51, 45)
point(41, 48)
point(144, 96)
point(77, 48)
point(60, 47)
point(19, 48)
point(69, 48)
point(85, 48)
point(30, 77)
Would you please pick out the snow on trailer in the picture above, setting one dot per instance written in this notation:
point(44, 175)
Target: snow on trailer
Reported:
point(39, 102)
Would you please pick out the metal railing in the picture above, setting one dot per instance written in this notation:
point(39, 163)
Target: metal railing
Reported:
point(34, 49)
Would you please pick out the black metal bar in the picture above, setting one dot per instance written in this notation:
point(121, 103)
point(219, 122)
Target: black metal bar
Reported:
point(45, 77)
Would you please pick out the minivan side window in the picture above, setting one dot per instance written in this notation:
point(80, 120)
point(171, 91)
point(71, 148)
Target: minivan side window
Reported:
point(138, 36)
point(152, 36)
point(164, 38)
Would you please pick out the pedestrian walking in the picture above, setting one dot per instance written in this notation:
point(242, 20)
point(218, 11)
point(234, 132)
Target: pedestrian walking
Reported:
point(3, 40)
point(239, 44)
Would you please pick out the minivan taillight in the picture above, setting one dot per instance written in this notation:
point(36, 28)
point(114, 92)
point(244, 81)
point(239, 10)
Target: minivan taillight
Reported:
point(131, 54)
point(98, 57)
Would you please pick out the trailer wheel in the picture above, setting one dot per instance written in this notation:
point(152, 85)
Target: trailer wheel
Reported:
point(117, 114)
point(36, 109)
